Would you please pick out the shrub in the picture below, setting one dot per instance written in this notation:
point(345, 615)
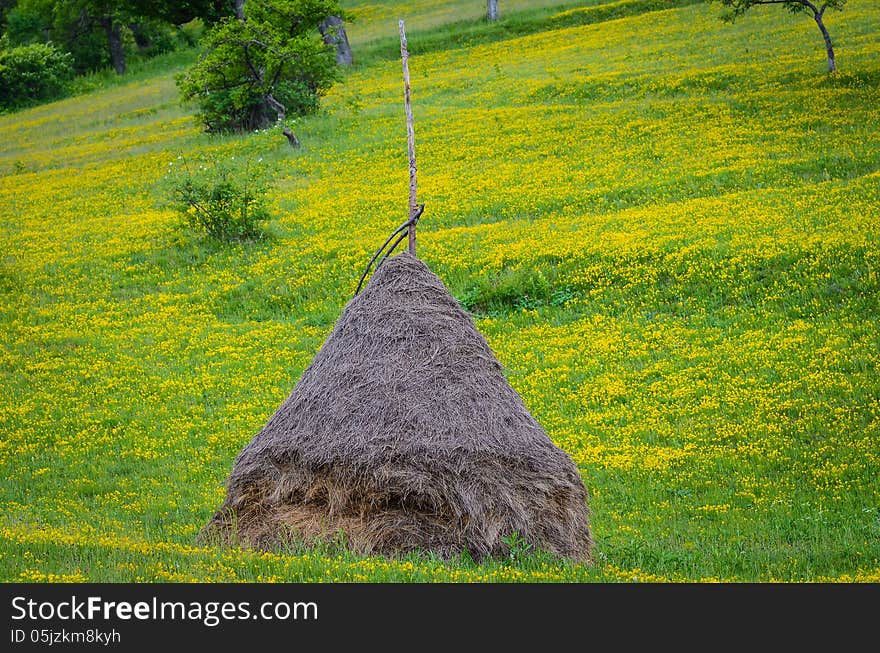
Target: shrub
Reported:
point(509, 289)
point(34, 73)
point(221, 198)
point(257, 71)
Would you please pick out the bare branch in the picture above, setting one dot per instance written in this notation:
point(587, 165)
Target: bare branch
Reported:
point(247, 61)
point(402, 228)
point(805, 3)
point(281, 111)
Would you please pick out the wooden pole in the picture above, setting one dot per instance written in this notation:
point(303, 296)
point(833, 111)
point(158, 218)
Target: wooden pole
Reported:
point(411, 140)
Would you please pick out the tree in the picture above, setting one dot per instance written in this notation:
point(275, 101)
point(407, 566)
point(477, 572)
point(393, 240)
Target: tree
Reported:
point(258, 68)
point(76, 25)
point(113, 29)
point(183, 11)
point(95, 31)
point(492, 9)
point(739, 7)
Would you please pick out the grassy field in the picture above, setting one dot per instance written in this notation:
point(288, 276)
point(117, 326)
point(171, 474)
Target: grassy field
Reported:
point(666, 226)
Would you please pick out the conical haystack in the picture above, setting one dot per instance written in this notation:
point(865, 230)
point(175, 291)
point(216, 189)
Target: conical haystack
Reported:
point(404, 434)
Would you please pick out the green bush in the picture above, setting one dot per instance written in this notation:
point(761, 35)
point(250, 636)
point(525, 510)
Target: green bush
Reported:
point(34, 73)
point(510, 289)
point(224, 199)
point(257, 71)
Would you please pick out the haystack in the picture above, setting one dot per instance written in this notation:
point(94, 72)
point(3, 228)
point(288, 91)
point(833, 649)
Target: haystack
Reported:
point(404, 435)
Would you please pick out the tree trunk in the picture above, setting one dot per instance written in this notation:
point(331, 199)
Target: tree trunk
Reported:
point(281, 110)
point(492, 9)
point(333, 32)
point(114, 40)
point(239, 9)
point(828, 47)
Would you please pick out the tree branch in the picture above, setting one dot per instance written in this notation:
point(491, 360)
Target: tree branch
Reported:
point(281, 110)
point(805, 3)
point(228, 86)
point(414, 218)
point(277, 76)
point(247, 61)
point(244, 43)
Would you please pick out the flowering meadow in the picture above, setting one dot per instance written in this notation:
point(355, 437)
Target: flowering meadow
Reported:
point(666, 226)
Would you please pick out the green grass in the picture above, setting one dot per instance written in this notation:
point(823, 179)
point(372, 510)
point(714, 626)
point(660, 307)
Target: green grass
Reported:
point(666, 227)
point(517, 20)
point(137, 70)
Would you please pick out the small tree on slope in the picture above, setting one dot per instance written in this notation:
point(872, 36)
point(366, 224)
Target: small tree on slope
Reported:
point(261, 66)
point(739, 7)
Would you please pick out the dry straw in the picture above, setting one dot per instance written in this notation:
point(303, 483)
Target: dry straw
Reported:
point(404, 435)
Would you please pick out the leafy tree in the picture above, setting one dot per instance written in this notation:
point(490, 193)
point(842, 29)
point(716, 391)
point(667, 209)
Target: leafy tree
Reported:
point(179, 13)
point(77, 25)
point(108, 17)
point(175, 14)
point(739, 7)
point(260, 66)
point(27, 22)
point(90, 30)
point(96, 31)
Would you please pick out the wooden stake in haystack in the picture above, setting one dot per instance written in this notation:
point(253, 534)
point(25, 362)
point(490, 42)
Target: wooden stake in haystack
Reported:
point(411, 142)
point(408, 228)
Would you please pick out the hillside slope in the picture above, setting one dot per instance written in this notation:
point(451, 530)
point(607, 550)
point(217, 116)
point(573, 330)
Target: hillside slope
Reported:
point(667, 227)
